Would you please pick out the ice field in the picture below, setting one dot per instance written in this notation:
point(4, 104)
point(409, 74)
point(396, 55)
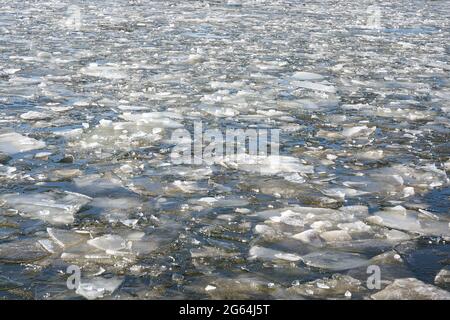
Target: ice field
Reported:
point(91, 93)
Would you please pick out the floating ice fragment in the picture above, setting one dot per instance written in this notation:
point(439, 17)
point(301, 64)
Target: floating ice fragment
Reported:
point(342, 193)
point(370, 155)
point(106, 71)
point(295, 178)
point(411, 289)
point(265, 230)
point(333, 287)
point(207, 200)
point(351, 132)
point(110, 243)
point(7, 172)
point(65, 238)
point(157, 119)
point(443, 278)
point(220, 111)
point(334, 260)
point(210, 287)
point(390, 257)
point(99, 185)
point(301, 75)
point(407, 220)
point(63, 174)
point(257, 252)
point(35, 115)
point(8, 284)
point(10, 71)
point(195, 58)
point(68, 133)
point(310, 237)
point(336, 236)
point(207, 252)
point(21, 251)
point(315, 86)
point(13, 142)
point(98, 287)
point(290, 218)
point(48, 245)
point(357, 226)
point(55, 207)
point(270, 165)
point(42, 155)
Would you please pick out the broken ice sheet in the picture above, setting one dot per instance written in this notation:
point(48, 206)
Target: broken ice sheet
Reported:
point(35, 115)
point(411, 289)
point(21, 251)
point(66, 238)
point(110, 71)
point(108, 137)
point(407, 220)
point(442, 279)
point(257, 252)
point(269, 165)
point(112, 244)
point(115, 209)
point(355, 128)
point(7, 172)
point(12, 143)
point(220, 201)
point(211, 252)
point(7, 283)
point(84, 255)
point(54, 207)
point(245, 286)
point(127, 244)
point(337, 286)
point(98, 287)
point(154, 119)
point(334, 260)
point(98, 185)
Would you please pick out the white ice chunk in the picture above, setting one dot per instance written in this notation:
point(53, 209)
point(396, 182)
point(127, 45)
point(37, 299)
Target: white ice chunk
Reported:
point(443, 278)
point(7, 172)
point(401, 219)
point(310, 237)
point(105, 71)
point(334, 260)
point(13, 142)
point(270, 165)
point(316, 86)
point(98, 287)
point(257, 252)
point(357, 226)
point(55, 207)
point(336, 236)
point(35, 115)
point(65, 238)
point(301, 75)
point(110, 243)
point(350, 132)
point(411, 289)
point(157, 119)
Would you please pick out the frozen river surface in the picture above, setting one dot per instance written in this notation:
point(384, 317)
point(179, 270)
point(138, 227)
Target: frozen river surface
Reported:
point(91, 93)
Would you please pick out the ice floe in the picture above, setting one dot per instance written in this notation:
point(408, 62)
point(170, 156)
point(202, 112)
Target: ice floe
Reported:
point(54, 207)
point(98, 287)
point(411, 289)
point(13, 142)
point(358, 176)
